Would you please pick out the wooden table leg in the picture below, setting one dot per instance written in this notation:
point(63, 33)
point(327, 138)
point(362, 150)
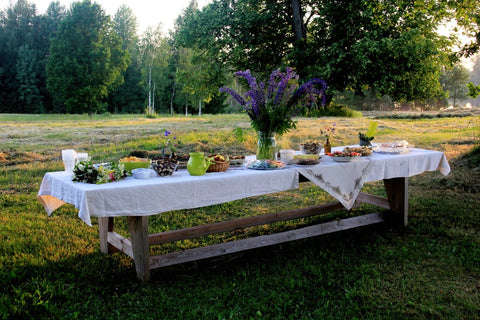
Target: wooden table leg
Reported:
point(105, 225)
point(138, 227)
point(397, 193)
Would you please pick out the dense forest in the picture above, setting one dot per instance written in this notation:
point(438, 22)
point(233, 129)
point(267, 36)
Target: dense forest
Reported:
point(80, 60)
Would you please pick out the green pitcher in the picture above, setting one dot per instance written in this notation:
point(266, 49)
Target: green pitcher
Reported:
point(197, 164)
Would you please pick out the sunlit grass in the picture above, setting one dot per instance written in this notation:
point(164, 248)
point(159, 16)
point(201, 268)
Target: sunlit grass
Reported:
point(51, 267)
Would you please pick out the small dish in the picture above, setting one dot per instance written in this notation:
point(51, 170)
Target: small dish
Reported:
point(141, 173)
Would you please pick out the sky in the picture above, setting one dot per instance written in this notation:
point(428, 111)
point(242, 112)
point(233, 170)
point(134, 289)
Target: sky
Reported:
point(148, 12)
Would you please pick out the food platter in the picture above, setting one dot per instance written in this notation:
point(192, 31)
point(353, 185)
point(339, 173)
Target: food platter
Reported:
point(363, 150)
point(344, 156)
point(266, 165)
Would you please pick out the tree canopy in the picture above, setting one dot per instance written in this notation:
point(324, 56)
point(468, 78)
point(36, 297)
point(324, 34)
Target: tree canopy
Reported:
point(86, 59)
point(81, 60)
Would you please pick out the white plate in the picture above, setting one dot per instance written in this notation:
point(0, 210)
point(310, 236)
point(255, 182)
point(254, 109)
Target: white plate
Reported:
point(264, 165)
point(391, 150)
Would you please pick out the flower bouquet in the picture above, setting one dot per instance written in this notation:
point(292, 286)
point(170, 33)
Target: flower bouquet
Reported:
point(272, 106)
point(86, 171)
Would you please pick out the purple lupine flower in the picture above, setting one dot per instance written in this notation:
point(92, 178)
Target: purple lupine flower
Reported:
point(272, 84)
point(255, 107)
point(167, 133)
point(310, 88)
point(272, 105)
point(252, 82)
point(234, 94)
point(285, 79)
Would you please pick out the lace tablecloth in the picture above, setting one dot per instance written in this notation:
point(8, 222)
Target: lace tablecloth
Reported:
point(344, 180)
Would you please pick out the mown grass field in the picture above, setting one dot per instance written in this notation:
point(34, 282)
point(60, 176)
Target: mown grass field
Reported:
point(52, 268)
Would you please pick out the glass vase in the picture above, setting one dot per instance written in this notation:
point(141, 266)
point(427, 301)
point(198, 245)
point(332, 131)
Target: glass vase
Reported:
point(327, 147)
point(266, 146)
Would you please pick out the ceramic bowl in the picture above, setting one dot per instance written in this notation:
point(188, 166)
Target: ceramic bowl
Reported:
point(141, 173)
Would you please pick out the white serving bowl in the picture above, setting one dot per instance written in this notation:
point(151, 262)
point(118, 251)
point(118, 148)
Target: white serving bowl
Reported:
point(141, 173)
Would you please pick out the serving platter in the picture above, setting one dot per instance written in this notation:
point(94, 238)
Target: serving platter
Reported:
point(266, 165)
point(395, 147)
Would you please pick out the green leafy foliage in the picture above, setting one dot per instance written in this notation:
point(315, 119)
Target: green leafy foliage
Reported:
point(129, 96)
point(85, 45)
point(454, 81)
point(473, 90)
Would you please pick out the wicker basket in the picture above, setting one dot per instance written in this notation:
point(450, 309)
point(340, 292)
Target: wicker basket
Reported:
point(218, 166)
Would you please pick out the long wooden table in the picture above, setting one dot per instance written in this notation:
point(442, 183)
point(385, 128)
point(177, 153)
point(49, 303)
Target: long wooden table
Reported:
point(96, 200)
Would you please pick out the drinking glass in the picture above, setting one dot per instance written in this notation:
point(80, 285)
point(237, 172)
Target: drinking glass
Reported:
point(69, 156)
point(82, 156)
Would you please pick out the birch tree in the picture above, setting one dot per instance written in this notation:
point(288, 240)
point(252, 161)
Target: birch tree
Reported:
point(154, 50)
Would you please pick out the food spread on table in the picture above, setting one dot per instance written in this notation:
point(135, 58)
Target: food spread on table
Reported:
point(133, 159)
point(266, 165)
point(311, 147)
point(132, 162)
point(363, 150)
point(393, 147)
point(218, 163)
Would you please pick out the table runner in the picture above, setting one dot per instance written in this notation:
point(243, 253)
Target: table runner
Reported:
point(344, 181)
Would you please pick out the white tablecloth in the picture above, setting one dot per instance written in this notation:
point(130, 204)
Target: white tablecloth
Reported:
point(134, 197)
point(138, 197)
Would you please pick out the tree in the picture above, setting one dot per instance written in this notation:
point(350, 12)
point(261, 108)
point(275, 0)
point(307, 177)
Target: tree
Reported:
point(199, 79)
point(455, 82)
point(474, 90)
point(386, 47)
point(28, 78)
point(86, 59)
point(129, 96)
point(18, 23)
point(245, 34)
point(45, 32)
point(155, 52)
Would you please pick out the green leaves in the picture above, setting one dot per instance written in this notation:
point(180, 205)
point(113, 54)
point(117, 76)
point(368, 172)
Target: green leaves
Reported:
point(86, 59)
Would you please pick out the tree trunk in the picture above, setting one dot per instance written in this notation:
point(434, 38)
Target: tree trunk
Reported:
point(171, 100)
point(298, 25)
point(149, 88)
point(153, 98)
point(199, 107)
point(300, 31)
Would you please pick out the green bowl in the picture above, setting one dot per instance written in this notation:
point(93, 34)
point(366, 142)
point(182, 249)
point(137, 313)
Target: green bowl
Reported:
point(129, 166)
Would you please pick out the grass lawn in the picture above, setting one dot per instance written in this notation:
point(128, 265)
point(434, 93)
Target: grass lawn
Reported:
point(52, 268)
